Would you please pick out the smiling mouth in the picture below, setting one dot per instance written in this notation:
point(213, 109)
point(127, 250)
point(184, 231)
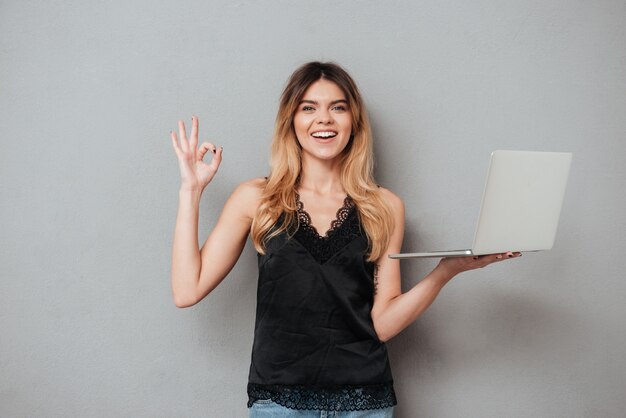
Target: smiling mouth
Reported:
point(324, 134)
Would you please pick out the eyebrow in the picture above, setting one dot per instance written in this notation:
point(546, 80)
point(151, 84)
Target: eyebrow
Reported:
point(332, 103)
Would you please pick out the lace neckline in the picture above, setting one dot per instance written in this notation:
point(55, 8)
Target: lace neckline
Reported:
point(342, 214)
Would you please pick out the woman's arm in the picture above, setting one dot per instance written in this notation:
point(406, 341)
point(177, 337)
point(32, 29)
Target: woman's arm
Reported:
point(196, 272)
point(393, 310)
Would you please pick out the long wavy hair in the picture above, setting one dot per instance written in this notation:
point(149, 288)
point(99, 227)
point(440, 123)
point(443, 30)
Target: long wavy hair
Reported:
point(356, 162)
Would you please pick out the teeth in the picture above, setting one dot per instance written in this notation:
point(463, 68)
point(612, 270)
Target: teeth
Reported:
point(323, 134)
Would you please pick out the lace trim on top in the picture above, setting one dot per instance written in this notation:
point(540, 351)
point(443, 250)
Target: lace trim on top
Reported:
point(343, 229)
point(305, 219)
point(340, 398)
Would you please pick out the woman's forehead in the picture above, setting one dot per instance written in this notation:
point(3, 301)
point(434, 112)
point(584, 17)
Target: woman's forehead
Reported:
point(323, 89)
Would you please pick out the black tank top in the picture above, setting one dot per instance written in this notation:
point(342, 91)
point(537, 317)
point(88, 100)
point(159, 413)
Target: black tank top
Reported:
point(315, 346)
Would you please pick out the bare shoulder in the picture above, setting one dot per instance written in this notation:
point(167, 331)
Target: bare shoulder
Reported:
point(247, 195)
point(253, 187)
point(396, 203)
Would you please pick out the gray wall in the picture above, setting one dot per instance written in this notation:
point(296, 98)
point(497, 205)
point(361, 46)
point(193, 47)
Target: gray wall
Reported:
point(89, 188)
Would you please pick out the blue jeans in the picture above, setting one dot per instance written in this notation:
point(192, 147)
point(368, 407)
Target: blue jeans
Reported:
point(270, 409)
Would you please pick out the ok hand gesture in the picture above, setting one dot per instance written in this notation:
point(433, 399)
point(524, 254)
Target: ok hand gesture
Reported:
point(194, 172)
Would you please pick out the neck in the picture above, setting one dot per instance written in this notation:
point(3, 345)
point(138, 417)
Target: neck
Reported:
point(320, 176)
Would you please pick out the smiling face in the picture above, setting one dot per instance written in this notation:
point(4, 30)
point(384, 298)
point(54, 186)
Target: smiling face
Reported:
point(323, 121)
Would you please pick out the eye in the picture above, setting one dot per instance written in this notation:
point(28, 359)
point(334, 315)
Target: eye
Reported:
point(341, 108)
point(306, 108)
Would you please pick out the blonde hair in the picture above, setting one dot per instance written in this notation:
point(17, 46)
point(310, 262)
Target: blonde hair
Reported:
point(357, 164)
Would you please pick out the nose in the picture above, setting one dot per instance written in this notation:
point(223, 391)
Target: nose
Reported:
point(324, 117)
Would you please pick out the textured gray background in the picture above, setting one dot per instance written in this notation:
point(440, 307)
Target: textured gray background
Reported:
point(90, 90)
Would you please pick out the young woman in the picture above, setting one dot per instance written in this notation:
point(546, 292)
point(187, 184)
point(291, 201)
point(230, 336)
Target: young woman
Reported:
point(328, 295)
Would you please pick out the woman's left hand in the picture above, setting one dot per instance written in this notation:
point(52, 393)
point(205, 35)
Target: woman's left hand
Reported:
point(455, 265)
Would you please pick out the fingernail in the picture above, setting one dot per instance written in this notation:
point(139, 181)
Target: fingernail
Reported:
point(498, 256)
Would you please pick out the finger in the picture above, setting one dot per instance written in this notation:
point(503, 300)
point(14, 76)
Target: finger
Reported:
point(177, 149)
point(183, 136)
point(217, 158)
point(510, 254)
point(505, 256)
point(193, 142)
point(206, 146)
point(486, 259)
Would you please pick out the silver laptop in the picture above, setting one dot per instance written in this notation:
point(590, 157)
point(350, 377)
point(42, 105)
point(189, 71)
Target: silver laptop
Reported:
point(521, 204)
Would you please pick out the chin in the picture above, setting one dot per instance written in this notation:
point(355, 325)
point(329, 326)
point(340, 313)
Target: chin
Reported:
point(328, 153)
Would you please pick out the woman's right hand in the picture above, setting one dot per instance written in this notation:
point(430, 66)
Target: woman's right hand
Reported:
point(195, 174)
